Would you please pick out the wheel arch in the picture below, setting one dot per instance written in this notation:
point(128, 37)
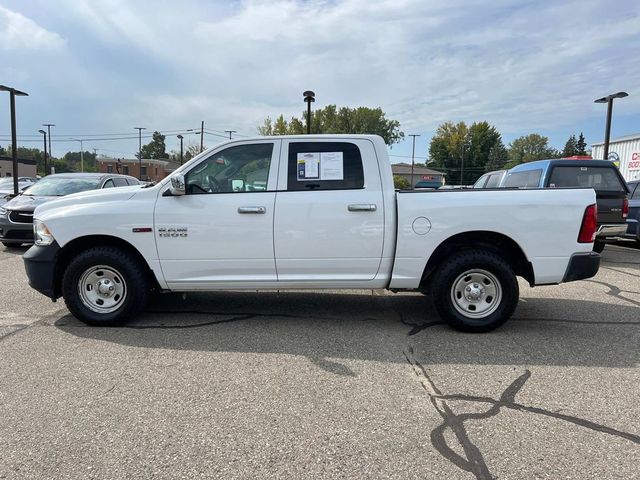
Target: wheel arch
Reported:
point(498, 243)
point(71, 249)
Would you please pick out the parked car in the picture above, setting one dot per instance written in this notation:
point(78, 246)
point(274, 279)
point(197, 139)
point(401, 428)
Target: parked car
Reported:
point(490, 179)
point(601, 175)
point(16, 216)
point(633, 220)
point(6, 187)
point(329, 218)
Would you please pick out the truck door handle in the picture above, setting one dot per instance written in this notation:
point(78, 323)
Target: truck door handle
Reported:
point(252, 209)
point(362, 207)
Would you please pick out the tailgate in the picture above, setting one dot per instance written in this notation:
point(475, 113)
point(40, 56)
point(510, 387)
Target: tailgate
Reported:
point(610, 207)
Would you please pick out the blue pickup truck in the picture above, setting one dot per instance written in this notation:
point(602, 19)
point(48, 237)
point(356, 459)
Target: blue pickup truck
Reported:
point(601, 175)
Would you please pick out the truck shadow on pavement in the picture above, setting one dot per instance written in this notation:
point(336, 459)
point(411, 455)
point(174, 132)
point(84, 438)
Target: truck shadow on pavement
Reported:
point(328, 327)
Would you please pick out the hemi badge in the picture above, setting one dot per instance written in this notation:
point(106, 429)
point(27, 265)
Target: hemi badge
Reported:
point(141, 229)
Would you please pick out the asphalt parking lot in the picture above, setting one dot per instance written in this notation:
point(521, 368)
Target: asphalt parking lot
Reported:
point(356, 384)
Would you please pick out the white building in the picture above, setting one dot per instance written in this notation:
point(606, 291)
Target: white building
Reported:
point(625, 151)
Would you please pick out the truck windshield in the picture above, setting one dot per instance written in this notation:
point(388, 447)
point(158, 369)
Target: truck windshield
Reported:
point(60, 186)
point(599, 178)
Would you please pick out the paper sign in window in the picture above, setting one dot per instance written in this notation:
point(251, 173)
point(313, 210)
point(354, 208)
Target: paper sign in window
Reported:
point(331, 166)
point(308, 166)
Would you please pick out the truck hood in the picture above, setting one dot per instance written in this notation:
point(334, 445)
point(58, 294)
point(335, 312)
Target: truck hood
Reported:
point(89, 197)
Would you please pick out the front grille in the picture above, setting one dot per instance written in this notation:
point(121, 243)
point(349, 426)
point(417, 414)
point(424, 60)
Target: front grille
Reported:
point(19, 235)
point(17, 216)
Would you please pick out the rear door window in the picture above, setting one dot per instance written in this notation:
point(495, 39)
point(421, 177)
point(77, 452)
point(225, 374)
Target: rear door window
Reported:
point(602, 179)
point(527, 179)
point(120, 182)
point(636, 193)
point(480, 183)
point(324, 166)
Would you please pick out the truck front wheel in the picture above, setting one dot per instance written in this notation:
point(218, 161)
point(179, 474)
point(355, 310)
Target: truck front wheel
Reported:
point(105, 286)
point(475, 291)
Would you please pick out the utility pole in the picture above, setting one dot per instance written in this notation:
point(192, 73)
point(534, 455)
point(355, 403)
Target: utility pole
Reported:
point(139, 150)
point(202, 136)
point(14, 142)
point(309, 97)
point(230, 132)
point(49, 125)
point(45, 151)
point(413, 155)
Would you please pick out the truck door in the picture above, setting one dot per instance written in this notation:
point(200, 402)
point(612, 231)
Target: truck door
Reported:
point(221, 231)
point(329, 221)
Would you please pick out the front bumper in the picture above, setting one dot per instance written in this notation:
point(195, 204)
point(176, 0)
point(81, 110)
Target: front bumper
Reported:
point(611, 230)
point(581, 266)
point(40, 264)
point(15, 233)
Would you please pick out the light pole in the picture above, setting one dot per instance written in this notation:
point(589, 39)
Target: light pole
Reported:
point(202, 137)
point(462, 165)
point(413, 155)
point(49, 125)
point(230, 132)
point(309, 97)
point(139, 150)
point(181, 138)
point(14, 142)
point(45, 151)
point(81, 152)
point(607, 132)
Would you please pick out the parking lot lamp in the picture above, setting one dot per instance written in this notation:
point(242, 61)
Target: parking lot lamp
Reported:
point(45, 150)
point(309, 97)
point(81, 152)
point(607, 132)
point(14, 142)
point(181, 138)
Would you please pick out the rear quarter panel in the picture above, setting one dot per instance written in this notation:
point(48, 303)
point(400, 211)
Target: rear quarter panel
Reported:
point(545, 224)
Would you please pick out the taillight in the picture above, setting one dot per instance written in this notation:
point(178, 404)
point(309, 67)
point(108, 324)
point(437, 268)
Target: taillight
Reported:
point(589, 225)
point(625, 208)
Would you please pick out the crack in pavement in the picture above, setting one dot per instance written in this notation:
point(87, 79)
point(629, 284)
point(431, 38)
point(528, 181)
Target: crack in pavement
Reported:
point(473, 461)
point(620, 271)
point(616, 292)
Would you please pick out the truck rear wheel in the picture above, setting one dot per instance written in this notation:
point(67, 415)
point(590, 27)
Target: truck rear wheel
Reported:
point(475, 291)
point(105, 286)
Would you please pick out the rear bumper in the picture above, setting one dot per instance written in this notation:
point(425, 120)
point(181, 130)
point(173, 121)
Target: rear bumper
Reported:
point(40, 264)
point(581, 266)
point(611, 230)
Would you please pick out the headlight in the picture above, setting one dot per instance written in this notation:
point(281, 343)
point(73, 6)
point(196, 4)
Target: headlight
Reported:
point(42, 233)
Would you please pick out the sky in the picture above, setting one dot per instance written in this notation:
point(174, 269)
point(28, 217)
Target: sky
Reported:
point(96, 67)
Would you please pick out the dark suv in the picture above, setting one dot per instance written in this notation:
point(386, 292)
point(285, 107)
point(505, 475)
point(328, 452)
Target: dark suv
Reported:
point(601, 175)
point(633, 220)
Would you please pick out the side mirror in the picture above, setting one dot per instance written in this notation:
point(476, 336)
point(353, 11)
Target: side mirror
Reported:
point(177, 185)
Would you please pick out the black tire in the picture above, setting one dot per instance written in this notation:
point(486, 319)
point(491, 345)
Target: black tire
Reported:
point(129, 271)
point(598, 246)
point(450, 274)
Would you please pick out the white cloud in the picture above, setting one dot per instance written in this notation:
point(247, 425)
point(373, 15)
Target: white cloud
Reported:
point(18, 32)
point(521, 65)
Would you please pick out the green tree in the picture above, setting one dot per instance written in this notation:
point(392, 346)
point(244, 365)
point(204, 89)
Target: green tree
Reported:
point(27, 153)
point(331, 119)
point(401, 183)
point(156, 148)
point(571, 147)
point(74, 163)
point(529, 148)
point(465, 153)
point(581, 145)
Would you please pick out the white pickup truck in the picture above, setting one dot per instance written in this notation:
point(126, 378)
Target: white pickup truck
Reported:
point(307, 212)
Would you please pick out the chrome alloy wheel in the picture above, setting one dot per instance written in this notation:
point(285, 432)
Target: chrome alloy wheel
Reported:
point(102, 289)
point(476, 293)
